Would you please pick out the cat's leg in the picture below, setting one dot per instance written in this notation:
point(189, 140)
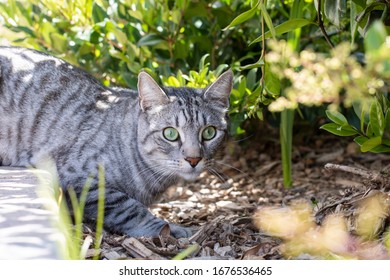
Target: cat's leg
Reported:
point(126, 215)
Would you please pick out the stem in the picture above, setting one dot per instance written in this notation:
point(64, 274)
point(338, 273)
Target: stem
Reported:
point(321, 25)
point(287, 116)
point(286, 131)
point(262, 81)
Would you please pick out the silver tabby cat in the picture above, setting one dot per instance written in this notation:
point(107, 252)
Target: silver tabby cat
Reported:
point(146, 140)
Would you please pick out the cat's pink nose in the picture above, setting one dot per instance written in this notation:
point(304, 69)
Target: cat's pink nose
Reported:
point(193, 161)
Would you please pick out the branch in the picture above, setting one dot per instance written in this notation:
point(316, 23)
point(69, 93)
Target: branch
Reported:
point(372, 176)
point(321, 25)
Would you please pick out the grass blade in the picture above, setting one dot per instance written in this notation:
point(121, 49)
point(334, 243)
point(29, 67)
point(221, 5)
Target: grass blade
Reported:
point(100, 214)
point(286, 125)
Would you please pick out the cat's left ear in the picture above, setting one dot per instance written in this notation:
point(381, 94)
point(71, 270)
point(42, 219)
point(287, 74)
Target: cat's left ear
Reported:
point(219, 91)
point(149, 92)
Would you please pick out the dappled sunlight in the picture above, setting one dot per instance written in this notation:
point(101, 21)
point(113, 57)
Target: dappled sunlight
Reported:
point(26, 225)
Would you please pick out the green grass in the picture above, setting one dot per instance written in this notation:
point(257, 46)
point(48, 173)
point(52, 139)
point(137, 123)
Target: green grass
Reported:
point(72, 245)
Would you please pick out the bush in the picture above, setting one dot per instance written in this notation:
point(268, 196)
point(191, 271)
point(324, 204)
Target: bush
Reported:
point(116, 39)
point(191, 42)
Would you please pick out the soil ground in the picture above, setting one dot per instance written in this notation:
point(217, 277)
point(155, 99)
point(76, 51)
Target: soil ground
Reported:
point(220, 208)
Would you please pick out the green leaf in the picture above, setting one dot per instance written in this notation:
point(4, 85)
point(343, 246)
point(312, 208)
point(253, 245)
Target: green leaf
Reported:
point(119, 55)
point(59, 42)
point(354, 10)
point(387, 121)
point(368, 9)
point(361, 3)
point(119, 35)
point(272, 82)
point(336, 117)
point(360, 140)
point(24, 29)
point(383, 148)
point(370, 144)
point(386, 142)
point(339, 130)
point(150, 40)
point(203, 63)
point(46, 29)
point(377, 119)
point(242, 87)
point(268, 20)
point(98, 13)
point(251, 79)
point(375, 37)
point(25, 12)
point(173, 81)
point(369, 131)
point(334, 10)
point(243, 17)
point(85, 48)
point(284, 27)
point(380, 149)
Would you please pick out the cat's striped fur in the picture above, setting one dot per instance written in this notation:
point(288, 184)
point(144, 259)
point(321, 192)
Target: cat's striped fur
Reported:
point(51, 109)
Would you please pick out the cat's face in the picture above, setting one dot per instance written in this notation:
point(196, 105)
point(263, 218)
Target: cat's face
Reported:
point(182, 128)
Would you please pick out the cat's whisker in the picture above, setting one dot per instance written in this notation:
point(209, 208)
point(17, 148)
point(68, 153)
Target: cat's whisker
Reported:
point(154, 181)
point(231, 166)
point(236, 169)
point(243, 139)
point(217, 174)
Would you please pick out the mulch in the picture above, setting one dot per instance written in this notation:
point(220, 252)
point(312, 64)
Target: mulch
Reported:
point(220, 208)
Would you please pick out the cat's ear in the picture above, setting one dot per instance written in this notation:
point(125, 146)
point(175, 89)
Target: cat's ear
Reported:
point(149, 92)
point(219, 91)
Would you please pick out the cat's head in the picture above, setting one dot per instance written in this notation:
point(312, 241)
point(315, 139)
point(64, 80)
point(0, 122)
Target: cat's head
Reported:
point(180, 129)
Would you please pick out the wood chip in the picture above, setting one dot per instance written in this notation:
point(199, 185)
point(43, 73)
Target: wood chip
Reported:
point(139, 250)
point(229, 205)
point(248, 254)
point(204, 232)
point(224, 251)
point(111, 255)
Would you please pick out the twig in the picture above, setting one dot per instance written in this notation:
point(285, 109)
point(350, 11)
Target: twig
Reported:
point(321, 25)
point(372, 176)
point(344, 201)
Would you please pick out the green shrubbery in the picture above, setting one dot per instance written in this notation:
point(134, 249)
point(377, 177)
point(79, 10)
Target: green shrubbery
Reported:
point(332, 53)
point(116, 39)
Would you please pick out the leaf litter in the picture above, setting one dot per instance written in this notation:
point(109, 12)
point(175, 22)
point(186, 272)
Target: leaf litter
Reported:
point(244, 211)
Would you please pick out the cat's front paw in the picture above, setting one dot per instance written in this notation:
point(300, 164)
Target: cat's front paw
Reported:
point(179, 231)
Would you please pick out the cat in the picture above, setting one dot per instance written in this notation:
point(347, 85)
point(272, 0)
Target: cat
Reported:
point(146, 139)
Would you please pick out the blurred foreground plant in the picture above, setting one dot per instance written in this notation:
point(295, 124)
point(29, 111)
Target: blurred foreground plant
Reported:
point(336, 237)
point(334, 79)
point(340, 79)
point(69, 221)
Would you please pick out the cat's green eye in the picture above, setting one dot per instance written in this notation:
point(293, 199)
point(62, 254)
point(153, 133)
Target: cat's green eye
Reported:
point(209, 133)
point(171, 134)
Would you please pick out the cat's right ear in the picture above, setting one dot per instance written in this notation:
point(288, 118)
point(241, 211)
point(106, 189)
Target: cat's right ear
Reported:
point(149, 92)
